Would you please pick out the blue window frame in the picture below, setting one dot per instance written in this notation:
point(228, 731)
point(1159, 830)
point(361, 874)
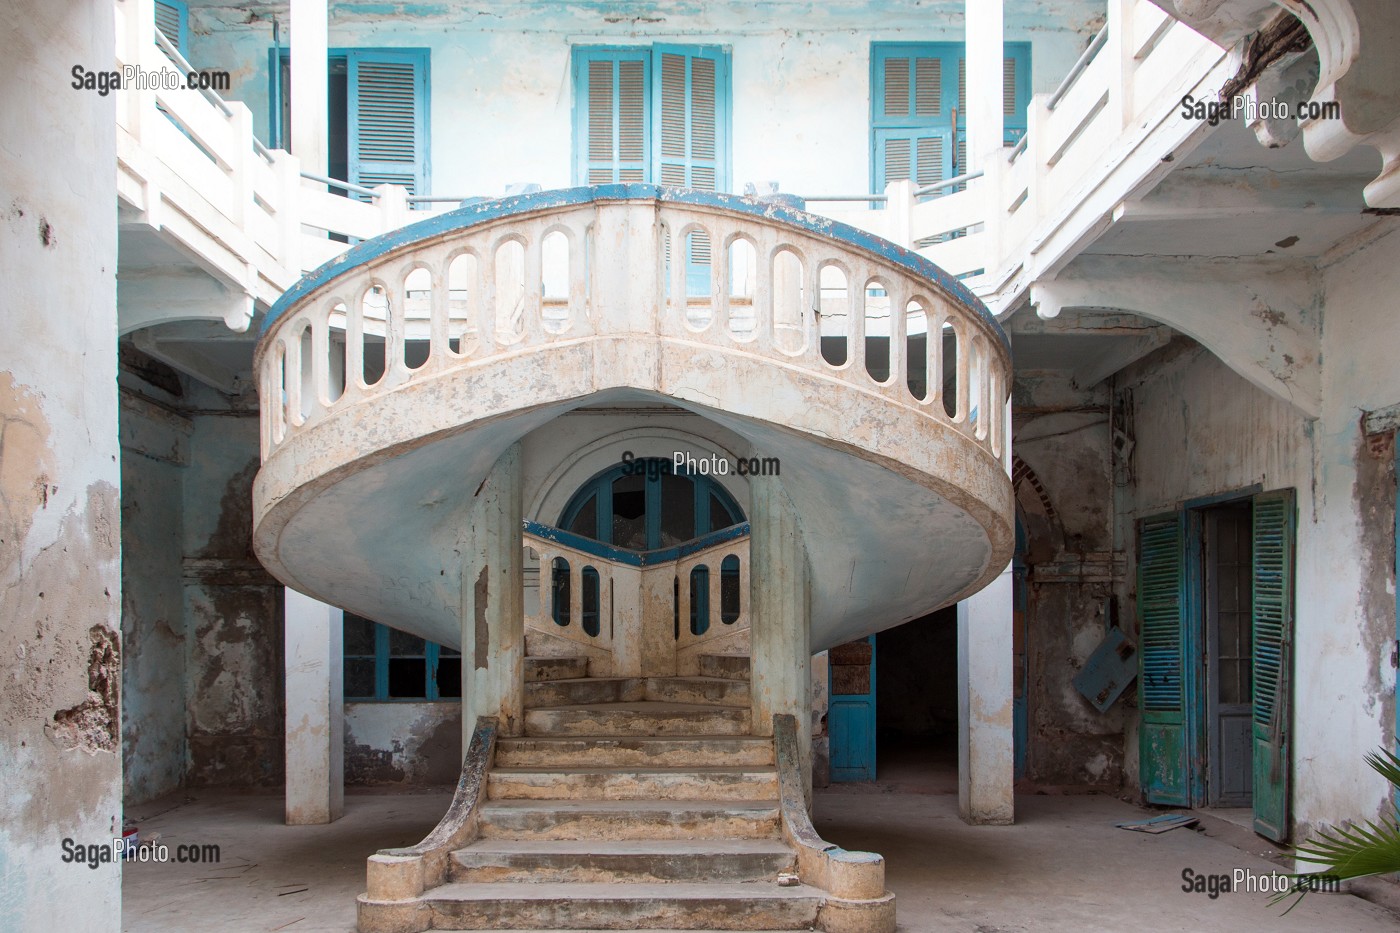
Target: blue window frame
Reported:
point(657, 114)
point(385, 664)
point(646, 505)
point(919, 105)
point(378, 123)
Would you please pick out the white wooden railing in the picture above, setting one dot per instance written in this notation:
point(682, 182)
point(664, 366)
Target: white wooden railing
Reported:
point(190, 165)
point(535, 274)
point(1131, 75)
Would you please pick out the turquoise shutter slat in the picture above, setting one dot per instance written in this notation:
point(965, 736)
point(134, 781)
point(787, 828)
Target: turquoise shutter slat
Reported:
point(388, 118)
point(1274, 529)
point(690, 145)
point(173, 19)
point(1016, 91)
point(612, 142)
point(1163, 741)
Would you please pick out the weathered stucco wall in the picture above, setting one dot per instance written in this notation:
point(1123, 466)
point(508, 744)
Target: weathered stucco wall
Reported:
point(155, 450)
point(60, 583)
point(501, 86)
point(1201, 430)
point(403, 743)
point(1063, 478)
point(233, 608)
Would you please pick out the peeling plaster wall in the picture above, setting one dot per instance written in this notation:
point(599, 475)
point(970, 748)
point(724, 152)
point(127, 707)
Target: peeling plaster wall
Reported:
point(60, 583)
point(1066, 498)
point(233, 609)
point(403, 743)
point(1202, 430)
point(507, 67)
point(155, 451)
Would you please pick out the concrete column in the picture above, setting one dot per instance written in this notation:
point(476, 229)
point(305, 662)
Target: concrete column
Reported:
point(315, 717)
point(493, 611)
point(310, 36)
point(986, 731)
point(985, 52)
point(779, 634)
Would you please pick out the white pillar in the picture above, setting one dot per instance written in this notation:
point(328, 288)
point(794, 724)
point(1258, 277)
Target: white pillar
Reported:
point(310, 36)
point(985, 51)
point(315, 711)
point(986, 730)
point(493, 611)
point(779, 638)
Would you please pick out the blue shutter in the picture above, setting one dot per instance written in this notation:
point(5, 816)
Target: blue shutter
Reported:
point(388, 118)
point(690, 105)
point(1273, 637)
point(1016, 90)
point(1163, 741)
point(173, 19)
point(612, 141)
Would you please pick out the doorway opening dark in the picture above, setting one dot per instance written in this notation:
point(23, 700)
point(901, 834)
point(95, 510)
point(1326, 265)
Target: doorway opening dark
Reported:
point(917, 703)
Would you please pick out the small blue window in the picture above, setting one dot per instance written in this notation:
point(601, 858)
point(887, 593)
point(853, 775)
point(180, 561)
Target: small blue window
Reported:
point(383, 663)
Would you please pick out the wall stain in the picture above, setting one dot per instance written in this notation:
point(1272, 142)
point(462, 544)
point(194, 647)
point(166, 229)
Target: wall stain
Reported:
point(95, 723)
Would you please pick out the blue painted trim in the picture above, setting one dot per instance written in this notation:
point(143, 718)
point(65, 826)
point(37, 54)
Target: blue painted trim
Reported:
point(473, 215)
point(635, 558)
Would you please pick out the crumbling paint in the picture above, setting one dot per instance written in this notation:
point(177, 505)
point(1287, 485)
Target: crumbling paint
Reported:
point(403, 743)
point(95, 723)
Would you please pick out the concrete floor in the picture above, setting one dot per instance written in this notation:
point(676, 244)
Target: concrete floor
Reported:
point(1062, 867)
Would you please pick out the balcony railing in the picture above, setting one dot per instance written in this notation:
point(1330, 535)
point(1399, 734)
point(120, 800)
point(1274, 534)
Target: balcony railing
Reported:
point(489, 281)
point(188, 161)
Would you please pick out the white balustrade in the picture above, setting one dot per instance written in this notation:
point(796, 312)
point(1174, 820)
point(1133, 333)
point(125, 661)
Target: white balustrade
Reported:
point(510, 283)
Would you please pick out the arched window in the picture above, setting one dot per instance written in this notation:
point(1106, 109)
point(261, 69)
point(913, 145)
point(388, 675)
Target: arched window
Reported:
point(647, 504)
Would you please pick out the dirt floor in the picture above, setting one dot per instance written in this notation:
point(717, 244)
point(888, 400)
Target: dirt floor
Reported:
point(1064, 866)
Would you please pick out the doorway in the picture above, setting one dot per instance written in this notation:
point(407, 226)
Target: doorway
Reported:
point(1227, 599)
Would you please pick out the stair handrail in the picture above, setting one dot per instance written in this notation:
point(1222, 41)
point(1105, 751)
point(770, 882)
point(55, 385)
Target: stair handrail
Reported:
point(855, 880)
point(404, 874)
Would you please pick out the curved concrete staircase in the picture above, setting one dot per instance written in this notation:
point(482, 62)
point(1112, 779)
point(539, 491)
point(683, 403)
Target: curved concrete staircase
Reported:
point(638, 803)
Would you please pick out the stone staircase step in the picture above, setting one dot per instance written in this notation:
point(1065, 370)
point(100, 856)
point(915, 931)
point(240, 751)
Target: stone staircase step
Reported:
point(545, 669)
point(719, 691)
point(629, 819)
point(615, 784)
point(631, 861)
point(648, 718)
point(552, 906)
point(633, 751)
point(583, 691)
point(728, 666)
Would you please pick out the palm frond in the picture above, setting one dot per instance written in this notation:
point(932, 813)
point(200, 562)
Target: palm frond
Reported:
point(1356, 851)
point(1387, 763)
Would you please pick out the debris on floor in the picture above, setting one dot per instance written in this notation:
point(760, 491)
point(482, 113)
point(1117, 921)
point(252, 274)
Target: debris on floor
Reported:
point(1159, 824)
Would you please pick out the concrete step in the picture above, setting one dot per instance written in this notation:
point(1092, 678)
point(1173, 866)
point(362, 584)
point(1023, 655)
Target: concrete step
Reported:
point(629, 819)
point(594, 906)
point(728, 666)
point(545, 669)
point(647, 718)
point(634, 752)
point(629, 861)
point(718, 691)
point(586, 690)
point(614, 784)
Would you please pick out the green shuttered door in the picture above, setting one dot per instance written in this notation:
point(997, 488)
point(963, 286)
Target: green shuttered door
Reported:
point(1274, 529)
point(1162, 743)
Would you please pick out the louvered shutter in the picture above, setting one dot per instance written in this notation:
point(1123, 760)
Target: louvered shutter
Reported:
point(613, 137)
point(1015, 91)
point(1162, 740)
point(918, 155)
point(1274, 529)
point(388, 119)
point(173, 19)
point(689, 145)
point(690, 97)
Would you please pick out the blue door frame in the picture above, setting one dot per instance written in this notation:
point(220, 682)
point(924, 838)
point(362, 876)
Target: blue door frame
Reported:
point(851, 728)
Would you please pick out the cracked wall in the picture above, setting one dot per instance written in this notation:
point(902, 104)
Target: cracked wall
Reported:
point(60, 766)
point(1063, 479)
